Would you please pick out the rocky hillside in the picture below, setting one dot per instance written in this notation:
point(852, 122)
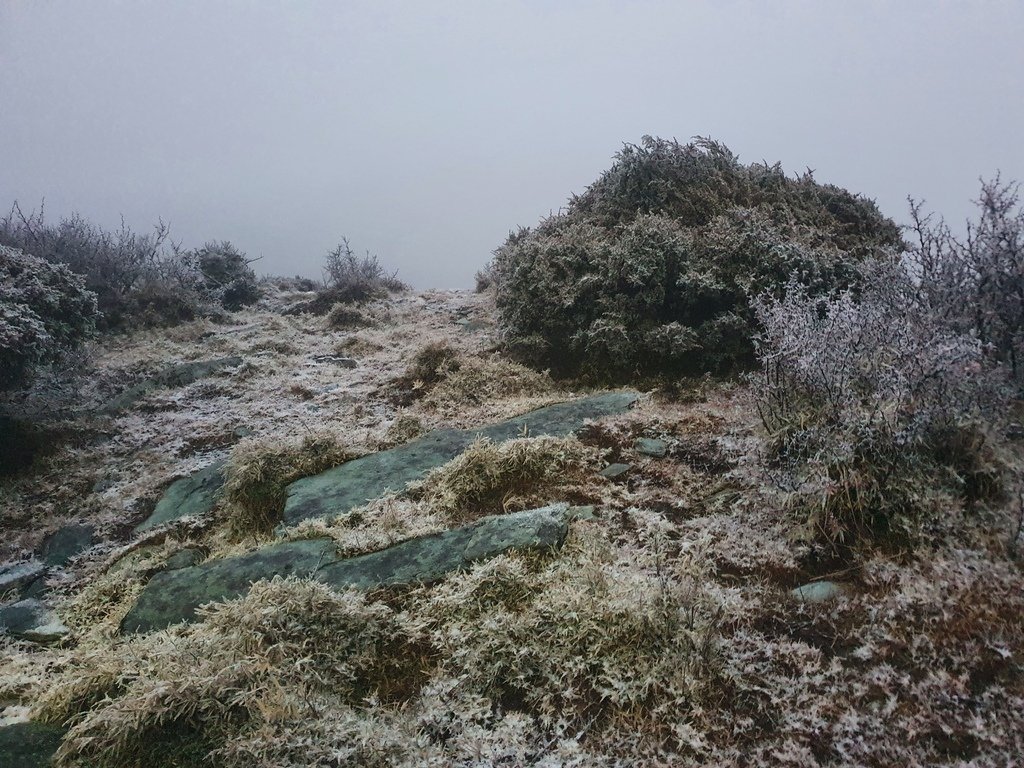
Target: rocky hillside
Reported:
point(370, 539)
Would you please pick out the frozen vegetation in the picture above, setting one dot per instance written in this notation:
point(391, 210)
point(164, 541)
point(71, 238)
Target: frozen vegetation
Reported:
point(717, 468)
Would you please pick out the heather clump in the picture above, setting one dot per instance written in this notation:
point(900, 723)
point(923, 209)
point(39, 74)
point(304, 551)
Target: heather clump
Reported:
point(226, 274)
point(350, 280)
point(651, 270)
point(45, 312)
point(431, 364)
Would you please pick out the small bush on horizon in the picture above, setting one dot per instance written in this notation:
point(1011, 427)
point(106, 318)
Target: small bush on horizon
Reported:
point(651, 270)
point(45, 312)
point(356, 280)
point(349, 279)
point(226, 274)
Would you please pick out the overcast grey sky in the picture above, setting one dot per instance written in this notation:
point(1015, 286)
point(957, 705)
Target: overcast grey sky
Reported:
point(425, 131)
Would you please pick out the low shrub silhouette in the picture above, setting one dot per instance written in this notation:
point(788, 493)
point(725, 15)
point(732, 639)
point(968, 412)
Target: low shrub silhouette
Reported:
point(651, 270)
point(140, 280)
point(349, 279)
point(226, 274)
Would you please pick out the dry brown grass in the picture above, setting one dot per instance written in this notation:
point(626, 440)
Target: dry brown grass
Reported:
point(487, 379)
point(258, 472)
point(264, 658)
point(490, 478)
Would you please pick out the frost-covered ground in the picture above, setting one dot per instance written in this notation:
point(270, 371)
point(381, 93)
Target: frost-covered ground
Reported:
point(665, 633)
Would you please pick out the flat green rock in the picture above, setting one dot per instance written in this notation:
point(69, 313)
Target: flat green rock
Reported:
point(32, 619)
point(361, 480)
point(173, 596)
point(66, 543)
point(29, 745)
point(190, 496)
point(427, 559)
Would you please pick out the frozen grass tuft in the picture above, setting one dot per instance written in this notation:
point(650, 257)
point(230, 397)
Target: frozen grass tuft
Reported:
point(489, 477)
point(257, 474)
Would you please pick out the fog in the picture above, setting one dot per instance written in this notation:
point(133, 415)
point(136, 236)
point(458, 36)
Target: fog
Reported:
point(424, 132)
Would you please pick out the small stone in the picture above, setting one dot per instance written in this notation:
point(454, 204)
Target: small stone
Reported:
point(615, 471)
point(585, 512)
point(190, 496)
point(1015, 431)
point(341, 362)
point(184, 558)
point(818, 591)
point(32, 619)
point(71, 540)
point(16, 575)
point(28, 744)
point(650, 446)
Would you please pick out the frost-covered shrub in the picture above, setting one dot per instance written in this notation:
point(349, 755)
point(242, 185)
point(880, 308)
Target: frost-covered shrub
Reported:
point(652, 268)
point(976, 284)
point(604, 642)
point(139, 280)
point(350, 279)
point(226, 274)
point(861, 393)
point(45, 311)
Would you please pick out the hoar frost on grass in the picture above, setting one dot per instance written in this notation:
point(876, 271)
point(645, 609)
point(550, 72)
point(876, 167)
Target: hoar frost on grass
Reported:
point(489, 478)
point(662, 634)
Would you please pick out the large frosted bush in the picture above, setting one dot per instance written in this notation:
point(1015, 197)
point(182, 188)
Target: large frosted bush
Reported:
point(652, 268)
point(45, 311)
